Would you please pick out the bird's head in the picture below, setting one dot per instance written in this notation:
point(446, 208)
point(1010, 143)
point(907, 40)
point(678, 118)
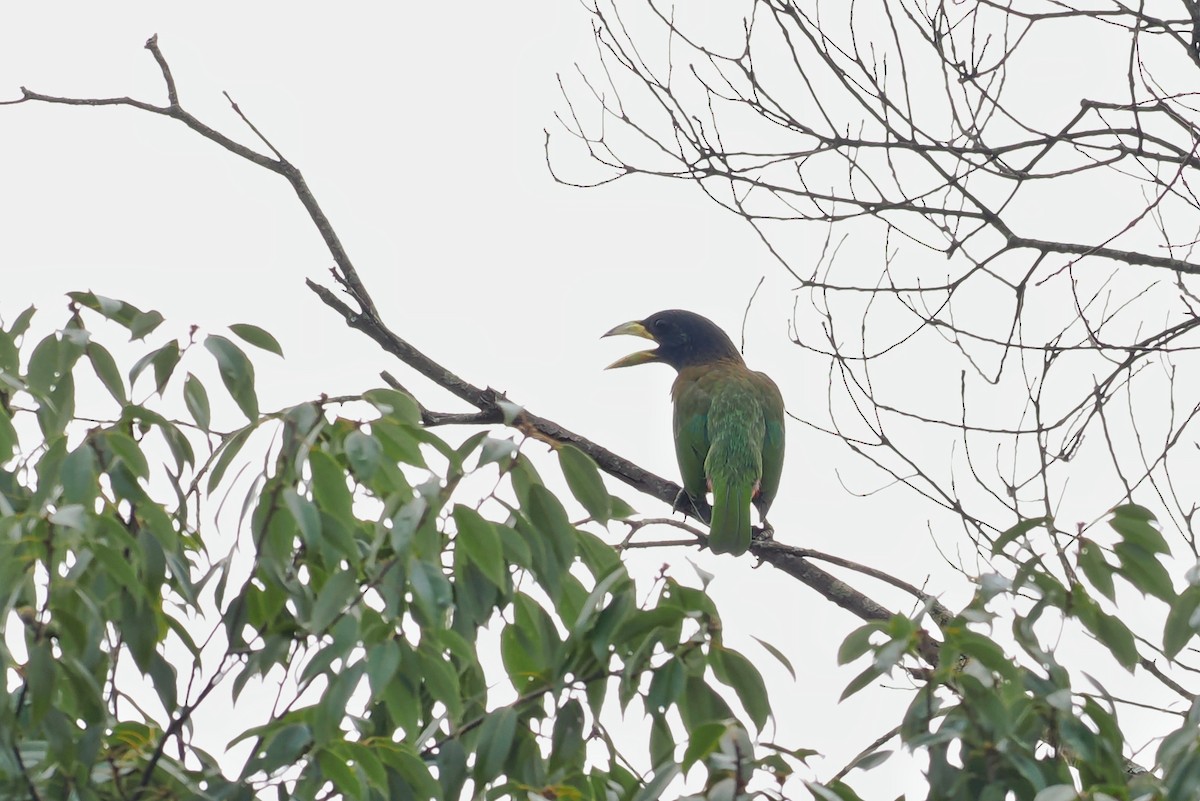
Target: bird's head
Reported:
point(684, 339)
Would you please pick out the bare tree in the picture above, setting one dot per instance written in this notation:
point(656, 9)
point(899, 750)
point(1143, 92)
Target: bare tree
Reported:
point(901, 129)
point(998, 263)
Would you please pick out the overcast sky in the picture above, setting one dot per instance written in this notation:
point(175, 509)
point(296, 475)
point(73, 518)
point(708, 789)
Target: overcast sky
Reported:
point(419, 127)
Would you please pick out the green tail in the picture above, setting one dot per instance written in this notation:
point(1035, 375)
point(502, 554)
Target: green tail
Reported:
point(729, 531)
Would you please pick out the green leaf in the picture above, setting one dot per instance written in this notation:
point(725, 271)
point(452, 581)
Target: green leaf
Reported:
point(321, 662)
point(236, 372)
point(566, 739)
point(494, 450)
point(986, 651)
point(452, 768)
point(857, 643)
point(621, 510)
point(396, 404)
point(128, 452)
point(41, 677)
point(226, 452)
point(405, 523)
point(779, 655)
point(1057, 792)
point(1136, 525)
point(1109, 630)
point(860, 681)
point(383, 660)
point(370, 765)
point(1143, 570)
point(921, 712)
point(137, 624)
point(593, 608)
point(662, 740)
point(441, 681)
point(85, 690)
point(329, 487)
point(666, 686)
point(555, 541)
point(341, 587)
point(79, 475)
point(736, 671)
point(530, 646)
point(257, 337)
point(163, 360)
point(836, 791)
point(162, 673)
point(701, 704)
point(106, 370)
point(335, 769)
point(328, 714)
point(363, 452)
point(1134, 512)
point(496, 737)
point(702, 741)
point(116, 310)
point(1012, 533)
point(143, 324)
point(10, 357)
point(284, 747)
point(57, 409)
point(8, 436)
point(71, 516)
point(414, 772)
point(307, 518)
point(196, 399)
point(21, 324)
point(400, 441)
point(1183, 779)
point(583, 478)
point(431, 590)
point(44, 371)
point(481, 544)
point(520, 662)
point(524, 477)
point(1179, 629)
point(1097, 569)
point(654, 789)
point(873, 759)
point(138, 322)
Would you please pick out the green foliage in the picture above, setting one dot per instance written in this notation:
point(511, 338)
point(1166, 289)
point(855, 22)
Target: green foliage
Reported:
point(436, 626)
point(998, 725)
point(345, 554)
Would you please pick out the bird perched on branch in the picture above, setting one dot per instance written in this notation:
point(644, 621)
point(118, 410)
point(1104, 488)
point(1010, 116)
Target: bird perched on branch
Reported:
point(728, 420)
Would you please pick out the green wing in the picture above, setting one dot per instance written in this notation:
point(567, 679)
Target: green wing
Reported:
point(736, 431)
point(692, 402)
point(772, 452)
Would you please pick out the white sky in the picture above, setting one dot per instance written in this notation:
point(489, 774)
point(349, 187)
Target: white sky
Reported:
point(419, 128)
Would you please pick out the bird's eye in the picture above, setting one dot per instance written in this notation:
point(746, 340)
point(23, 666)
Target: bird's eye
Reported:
point(660, 325)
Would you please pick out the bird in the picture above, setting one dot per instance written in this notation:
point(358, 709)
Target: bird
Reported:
point(728, 420)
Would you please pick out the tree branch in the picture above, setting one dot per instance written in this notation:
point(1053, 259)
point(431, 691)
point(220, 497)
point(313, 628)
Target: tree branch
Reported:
point(492, 406)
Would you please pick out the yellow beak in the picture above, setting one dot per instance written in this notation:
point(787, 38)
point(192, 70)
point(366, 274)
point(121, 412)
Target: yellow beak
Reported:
point(635, 329)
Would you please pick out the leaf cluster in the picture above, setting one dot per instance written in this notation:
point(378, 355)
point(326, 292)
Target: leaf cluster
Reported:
point(367, 587)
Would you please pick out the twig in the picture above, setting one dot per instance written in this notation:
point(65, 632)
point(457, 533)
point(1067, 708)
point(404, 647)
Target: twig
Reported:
point(938, 611)
point(870, 749)
point(1153, 670)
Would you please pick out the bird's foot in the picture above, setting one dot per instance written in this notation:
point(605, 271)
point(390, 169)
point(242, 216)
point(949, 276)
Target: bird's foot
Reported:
point(686, 504)
point(764, 533)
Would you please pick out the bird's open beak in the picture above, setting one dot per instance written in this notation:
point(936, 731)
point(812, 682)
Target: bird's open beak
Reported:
point(635, 329)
